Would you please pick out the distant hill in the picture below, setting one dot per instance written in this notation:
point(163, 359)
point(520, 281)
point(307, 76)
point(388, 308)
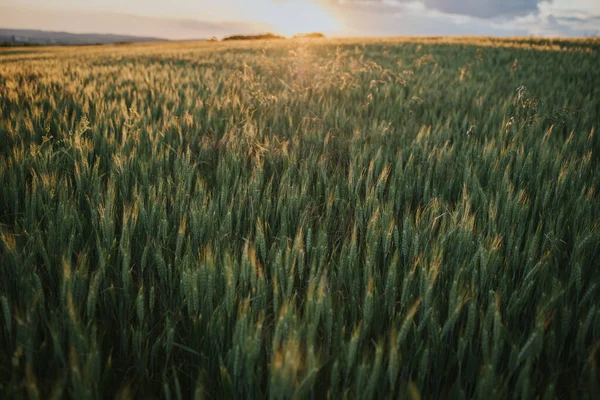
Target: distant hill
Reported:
point(25, 37)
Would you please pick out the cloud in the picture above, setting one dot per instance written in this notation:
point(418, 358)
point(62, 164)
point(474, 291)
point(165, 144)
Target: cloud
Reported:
point(472, 8)
point(484, 8)
point(557, 25)
point(220, 28)
point(355, 18)
point(124, 24)
point(468, 17)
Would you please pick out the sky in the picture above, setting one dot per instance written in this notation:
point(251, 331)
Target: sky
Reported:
point(195, 19)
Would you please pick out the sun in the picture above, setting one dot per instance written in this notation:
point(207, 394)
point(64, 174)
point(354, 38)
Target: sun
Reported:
point(290, 17)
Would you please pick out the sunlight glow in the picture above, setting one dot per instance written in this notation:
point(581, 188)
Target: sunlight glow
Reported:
point(290, 17)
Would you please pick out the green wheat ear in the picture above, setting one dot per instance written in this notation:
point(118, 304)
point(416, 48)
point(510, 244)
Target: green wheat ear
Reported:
point(7, 316)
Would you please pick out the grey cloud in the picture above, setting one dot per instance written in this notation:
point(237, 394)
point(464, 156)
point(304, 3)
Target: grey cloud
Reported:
point(575, 26)
point(485, 8)
point(569, 19)
point(364, 21)
point(590, 19)
point(471, 8)
point(553, 26)
point(558, 26)
point(462, 17)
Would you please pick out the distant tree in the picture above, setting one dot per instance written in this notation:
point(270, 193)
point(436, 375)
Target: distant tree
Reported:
point(313, 35)
point(264, 36)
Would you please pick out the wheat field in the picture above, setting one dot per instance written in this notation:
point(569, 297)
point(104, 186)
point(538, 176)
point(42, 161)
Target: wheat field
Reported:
point(368, 218)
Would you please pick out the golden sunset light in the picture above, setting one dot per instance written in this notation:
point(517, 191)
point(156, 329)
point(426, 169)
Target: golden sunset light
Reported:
point(297, 16)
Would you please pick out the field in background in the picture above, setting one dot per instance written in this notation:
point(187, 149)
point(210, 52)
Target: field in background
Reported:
point(343, 218)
